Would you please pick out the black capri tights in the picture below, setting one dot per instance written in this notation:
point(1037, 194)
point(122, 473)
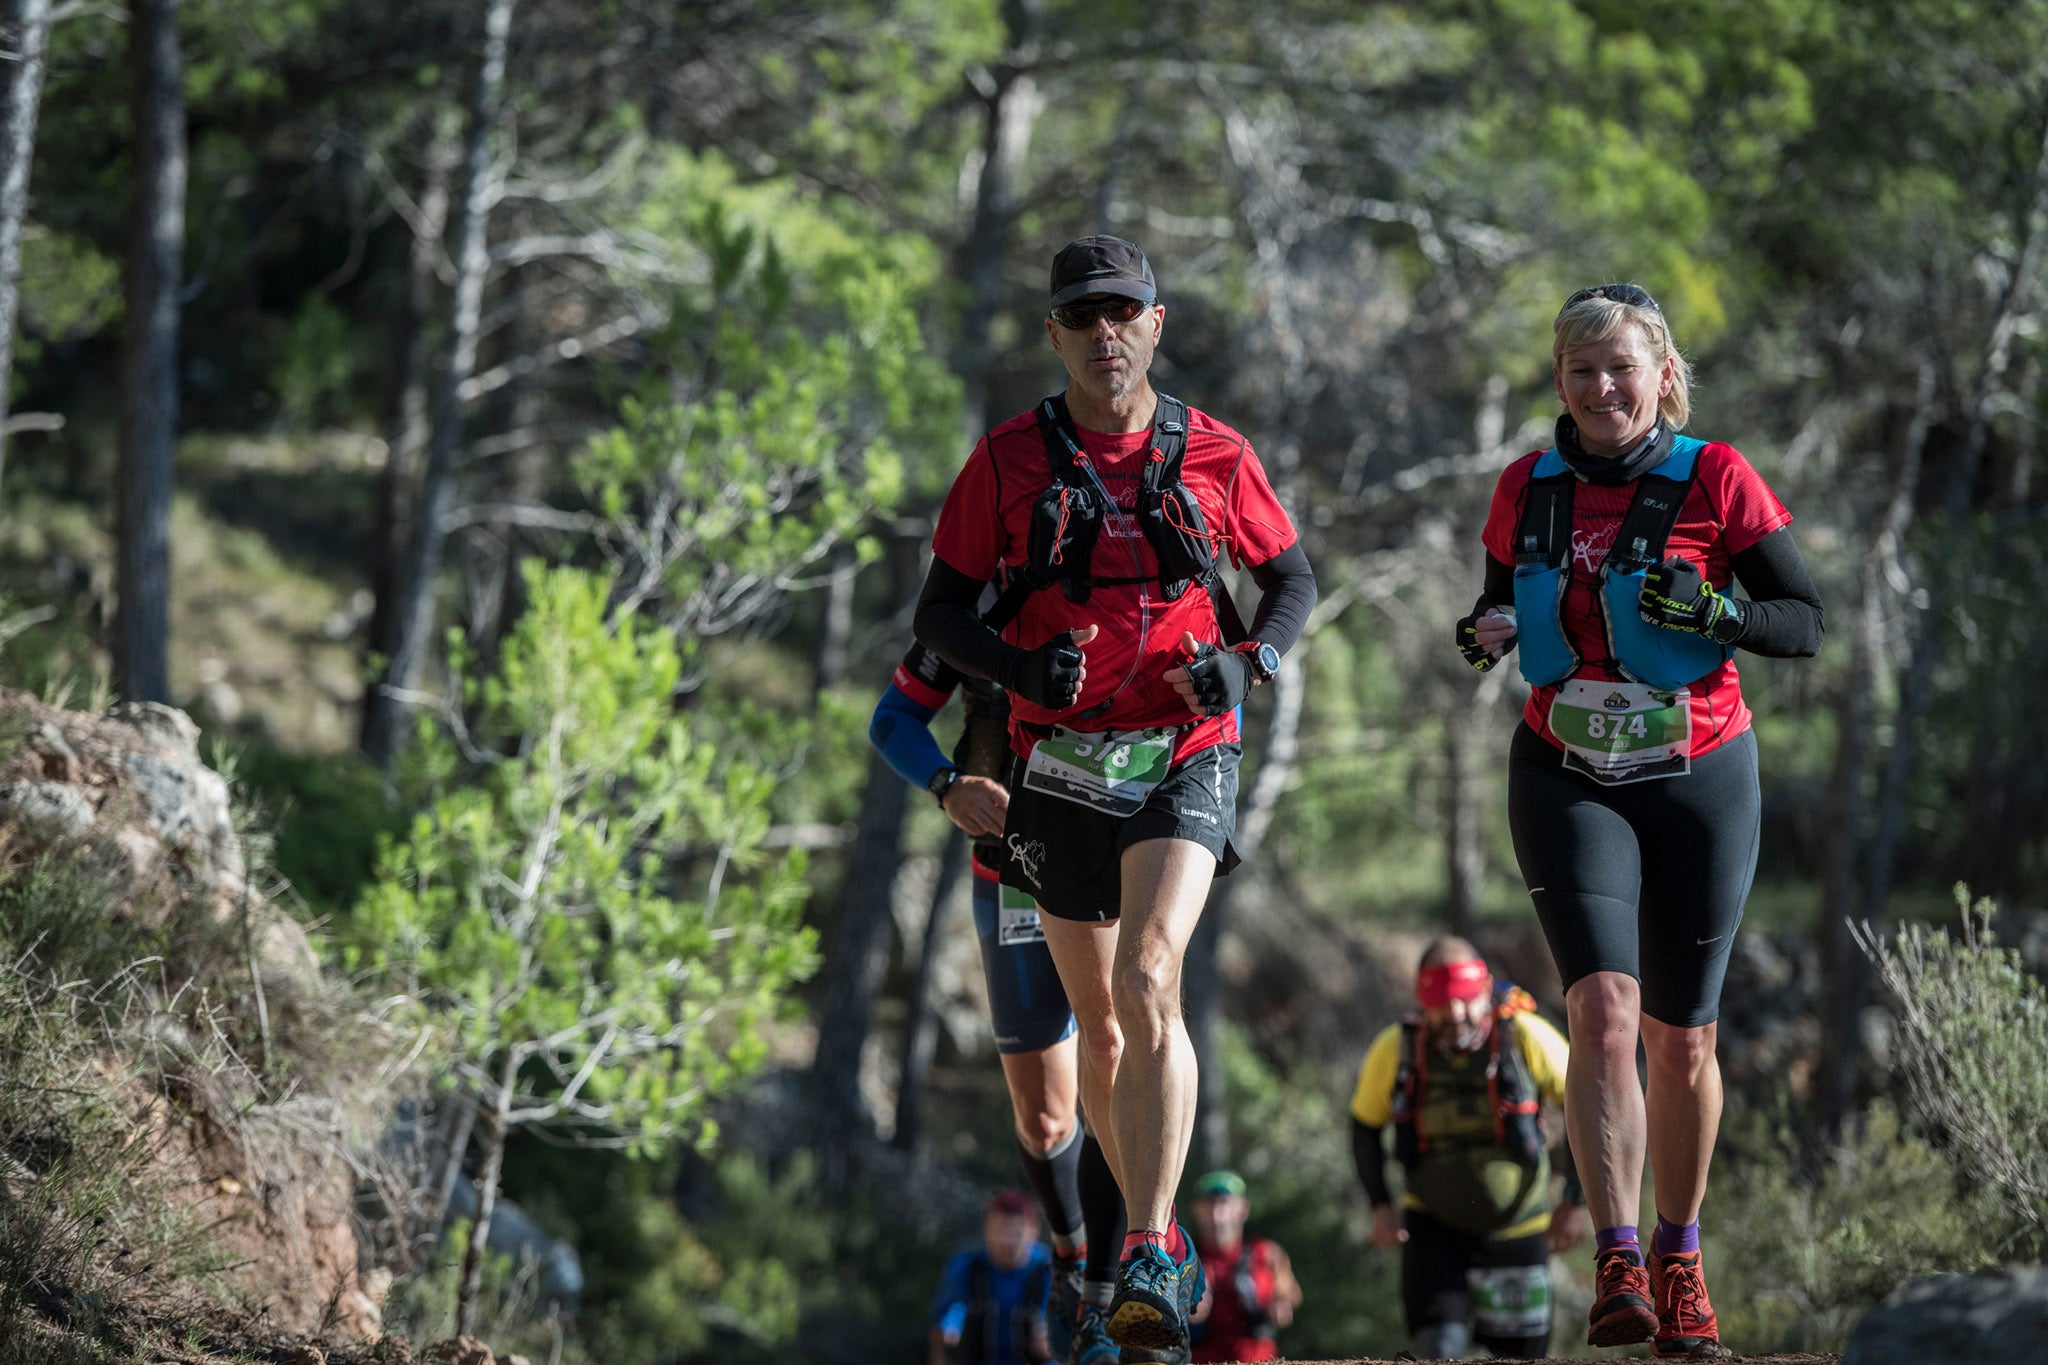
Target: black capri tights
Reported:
point(1647, 878)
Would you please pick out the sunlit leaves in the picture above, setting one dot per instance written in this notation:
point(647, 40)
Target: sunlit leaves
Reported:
point(591, 905)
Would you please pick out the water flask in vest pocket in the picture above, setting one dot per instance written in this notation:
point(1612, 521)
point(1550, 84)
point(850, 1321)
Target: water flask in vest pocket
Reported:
point(1179, 535)
point(1545, 655)
point(1065, 521)
point(1665, 659)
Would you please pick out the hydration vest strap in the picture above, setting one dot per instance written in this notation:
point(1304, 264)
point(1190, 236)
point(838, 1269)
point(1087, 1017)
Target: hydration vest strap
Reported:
point(1544, 535)
point(1062, 454)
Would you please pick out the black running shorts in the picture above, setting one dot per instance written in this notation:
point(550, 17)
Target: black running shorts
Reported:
point(1069, 857)
point(1647, 878)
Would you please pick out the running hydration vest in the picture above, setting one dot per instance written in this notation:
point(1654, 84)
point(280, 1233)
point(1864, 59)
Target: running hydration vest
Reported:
point(1648, 654)
point(1517, 1108)
point(1069, 515)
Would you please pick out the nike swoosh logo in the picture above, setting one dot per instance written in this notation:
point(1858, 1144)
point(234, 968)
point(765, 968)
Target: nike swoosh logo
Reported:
point(1715, 939)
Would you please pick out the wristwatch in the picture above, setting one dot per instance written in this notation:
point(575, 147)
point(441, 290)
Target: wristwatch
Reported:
point(1265, 659)
point(942, 782)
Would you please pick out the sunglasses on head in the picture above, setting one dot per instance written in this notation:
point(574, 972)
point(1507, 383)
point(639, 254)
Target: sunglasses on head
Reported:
point(1080, 315)
point(1633, 295)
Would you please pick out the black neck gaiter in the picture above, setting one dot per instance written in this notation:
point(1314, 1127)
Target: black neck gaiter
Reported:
point(1626, 467)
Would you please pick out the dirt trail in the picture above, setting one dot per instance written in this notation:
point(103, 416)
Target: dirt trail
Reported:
point(1601, 1360)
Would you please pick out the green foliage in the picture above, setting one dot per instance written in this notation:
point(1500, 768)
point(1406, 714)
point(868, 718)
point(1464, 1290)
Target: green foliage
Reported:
point(1970, 1019)
point(422, 1307)
point(1796, 1261)
point(740, 1278)
point(793, 393)
point(316, 375)
point(327, 813)
point(584, 890)
point(69, 290)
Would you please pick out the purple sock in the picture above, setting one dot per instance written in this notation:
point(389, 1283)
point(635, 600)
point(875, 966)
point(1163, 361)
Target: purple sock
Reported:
point(1612, 1239)
point(1672, 1240)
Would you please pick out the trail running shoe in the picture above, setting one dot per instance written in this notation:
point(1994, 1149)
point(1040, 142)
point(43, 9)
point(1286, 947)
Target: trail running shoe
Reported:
point(1623, 1311)
point(1154, 1295)
point(1091, 1345)
point(1063, 1304)
point(1685, 1319)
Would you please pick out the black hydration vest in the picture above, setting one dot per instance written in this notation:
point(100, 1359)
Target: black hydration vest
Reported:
point(1517, 1108)
point(1069, 515)
point(978, 1334)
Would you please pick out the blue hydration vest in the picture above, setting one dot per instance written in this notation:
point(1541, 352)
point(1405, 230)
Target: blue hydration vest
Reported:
point(1649, 654)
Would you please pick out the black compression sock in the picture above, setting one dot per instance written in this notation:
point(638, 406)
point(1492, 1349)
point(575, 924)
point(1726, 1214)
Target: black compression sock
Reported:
point(1053, 1179)
point(1102, 1210)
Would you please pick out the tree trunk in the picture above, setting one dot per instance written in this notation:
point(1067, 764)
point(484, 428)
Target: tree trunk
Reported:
point(405, 410)
point(1916, 675)
point(1464, 857)
point(835, 638)
point(149, 388)
point(1845, 971)
point(28, 34)
point(856, 960)
point(415, 615)
point(1199, 973)
point(1013, 101)
point(491, 1134)
point(921, 1035)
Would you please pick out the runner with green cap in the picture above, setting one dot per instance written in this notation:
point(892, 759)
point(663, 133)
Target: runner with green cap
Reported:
point(1252, 1292)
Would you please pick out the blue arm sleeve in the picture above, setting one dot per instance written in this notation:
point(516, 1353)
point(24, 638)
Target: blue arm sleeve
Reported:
point(901, 731)
point(949, 1309)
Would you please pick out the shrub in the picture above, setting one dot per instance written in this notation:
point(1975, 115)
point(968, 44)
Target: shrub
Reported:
point(1970, 1020)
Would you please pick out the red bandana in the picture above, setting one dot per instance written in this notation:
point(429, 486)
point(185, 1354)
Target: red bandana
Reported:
point(1439, 986)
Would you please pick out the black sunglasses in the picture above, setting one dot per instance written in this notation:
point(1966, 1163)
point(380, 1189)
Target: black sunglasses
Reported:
point(1080, 315)
point(1635, 296)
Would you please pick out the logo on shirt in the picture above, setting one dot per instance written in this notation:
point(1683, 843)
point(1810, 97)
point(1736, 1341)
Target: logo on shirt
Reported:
point(1122, 526)
point(1589, 548)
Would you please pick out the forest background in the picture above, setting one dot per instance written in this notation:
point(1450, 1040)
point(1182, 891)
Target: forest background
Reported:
point(530, 420)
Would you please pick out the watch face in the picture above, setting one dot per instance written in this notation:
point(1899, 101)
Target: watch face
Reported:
point(1269, 660)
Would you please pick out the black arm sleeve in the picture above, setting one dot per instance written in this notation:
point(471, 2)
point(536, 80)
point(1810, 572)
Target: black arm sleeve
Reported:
point(1287, 593)
point(1783, 617)
point(949, 626)
point(1371, 1160)
point(1499, 588)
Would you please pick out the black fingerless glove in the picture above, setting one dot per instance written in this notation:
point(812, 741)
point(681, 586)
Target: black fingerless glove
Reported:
point(1676, 597)
point(1479, 656)
point(1050, 675)
point(1220, 677)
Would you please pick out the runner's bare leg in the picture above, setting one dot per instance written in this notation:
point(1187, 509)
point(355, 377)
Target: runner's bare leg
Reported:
point(1152, 1106)
point(1684, 1114)
point(1603, 1097)
point(1083, 953)
point(1042, 1093)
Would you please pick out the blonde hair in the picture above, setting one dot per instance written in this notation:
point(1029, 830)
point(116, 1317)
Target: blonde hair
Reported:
point(1599, 319)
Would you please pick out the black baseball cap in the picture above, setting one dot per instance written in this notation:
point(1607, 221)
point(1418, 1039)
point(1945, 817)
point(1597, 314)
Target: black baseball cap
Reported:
point(1100, 265)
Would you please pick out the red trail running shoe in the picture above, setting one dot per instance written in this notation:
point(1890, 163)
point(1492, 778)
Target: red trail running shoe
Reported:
point(1685, 1319)
point(1622, 1309)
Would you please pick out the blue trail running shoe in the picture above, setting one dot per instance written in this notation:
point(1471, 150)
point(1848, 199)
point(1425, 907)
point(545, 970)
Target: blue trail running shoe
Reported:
point(1155, 1294)
point(1063, 1305)
point(1091, 1345)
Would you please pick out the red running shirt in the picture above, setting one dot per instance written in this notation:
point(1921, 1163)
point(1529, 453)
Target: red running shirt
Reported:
point(986, 523)
point(1223, 1337)
point(1728, 509)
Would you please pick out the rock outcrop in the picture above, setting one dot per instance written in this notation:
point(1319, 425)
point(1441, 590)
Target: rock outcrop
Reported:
point(1995, 1315)
point(126, 797)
